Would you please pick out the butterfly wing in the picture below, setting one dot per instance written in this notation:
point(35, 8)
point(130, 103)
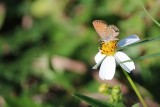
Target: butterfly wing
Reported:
point(114, 31)
point(105, 31)
point(101, 28)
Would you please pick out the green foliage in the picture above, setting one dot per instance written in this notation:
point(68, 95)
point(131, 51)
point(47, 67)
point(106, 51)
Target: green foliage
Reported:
point(93, 102)
point(97, 103)
point(33, 32)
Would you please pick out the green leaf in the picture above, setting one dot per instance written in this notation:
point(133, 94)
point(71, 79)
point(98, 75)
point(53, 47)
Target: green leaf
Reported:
point(91, 101)
point(147, 56)
point(140, 42)
point(143, 57)
point(135, 105)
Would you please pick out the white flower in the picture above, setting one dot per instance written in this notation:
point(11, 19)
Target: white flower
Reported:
point(107, 57)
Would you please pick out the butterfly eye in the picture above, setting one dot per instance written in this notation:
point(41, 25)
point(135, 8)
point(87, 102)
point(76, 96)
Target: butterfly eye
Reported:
point(116, 29)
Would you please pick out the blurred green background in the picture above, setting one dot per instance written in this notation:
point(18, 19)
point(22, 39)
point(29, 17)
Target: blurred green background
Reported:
point(47, 50)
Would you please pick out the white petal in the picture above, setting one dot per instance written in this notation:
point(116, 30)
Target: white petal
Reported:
point(99, 57)
point(128, 40)
point(121, 57)
point(107, 69)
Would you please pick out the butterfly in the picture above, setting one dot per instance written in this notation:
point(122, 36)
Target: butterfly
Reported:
point(105, 31)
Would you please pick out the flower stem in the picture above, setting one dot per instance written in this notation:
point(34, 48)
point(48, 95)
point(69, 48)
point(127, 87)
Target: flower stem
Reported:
point(135, 89)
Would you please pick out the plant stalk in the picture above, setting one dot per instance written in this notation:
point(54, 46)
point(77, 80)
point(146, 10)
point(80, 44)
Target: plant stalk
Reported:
point(135, 89)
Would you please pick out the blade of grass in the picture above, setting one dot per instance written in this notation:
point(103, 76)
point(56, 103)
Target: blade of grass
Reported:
point(154, 20)
point(143, 57)
point(91, 101)
point(97, 65)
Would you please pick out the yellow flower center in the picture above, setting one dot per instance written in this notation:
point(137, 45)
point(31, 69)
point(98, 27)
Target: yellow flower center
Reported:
point(108, 48)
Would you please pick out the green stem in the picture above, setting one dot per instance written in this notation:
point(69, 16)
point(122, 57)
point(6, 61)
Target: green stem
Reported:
point(135, 89)
point(154, 20)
